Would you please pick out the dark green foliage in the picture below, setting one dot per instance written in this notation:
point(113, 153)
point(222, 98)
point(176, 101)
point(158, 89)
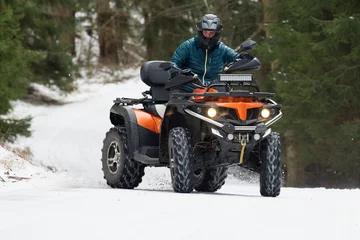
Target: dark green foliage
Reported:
point(13, 64)
point(240, 19)
point(48, 28)
point(11, 128)
point(36, 45)
point(13, 70)
point(317, 48)
point(166, 25)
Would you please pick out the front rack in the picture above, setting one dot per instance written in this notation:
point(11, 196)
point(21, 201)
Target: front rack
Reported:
point(227, 93)
point(235, 93)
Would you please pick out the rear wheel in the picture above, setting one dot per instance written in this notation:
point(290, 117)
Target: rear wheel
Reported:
point(119, 170)
point(270, 173)
point(213, 180)
point(180, 160)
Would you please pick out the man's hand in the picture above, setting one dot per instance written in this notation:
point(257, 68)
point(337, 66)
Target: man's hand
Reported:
point(187, 72)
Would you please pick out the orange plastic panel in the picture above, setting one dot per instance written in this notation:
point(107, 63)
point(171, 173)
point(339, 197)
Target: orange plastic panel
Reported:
point(241, 107)
point(148, 121)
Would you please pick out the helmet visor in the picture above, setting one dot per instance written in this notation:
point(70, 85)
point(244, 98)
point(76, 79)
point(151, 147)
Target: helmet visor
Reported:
point(209, 25)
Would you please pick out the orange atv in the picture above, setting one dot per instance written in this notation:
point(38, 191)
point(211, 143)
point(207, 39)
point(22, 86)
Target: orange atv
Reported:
point(197, 135)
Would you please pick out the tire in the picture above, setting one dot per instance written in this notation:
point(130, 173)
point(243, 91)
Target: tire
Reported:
point(213, 180)
point(119, 170)
point(270, 172)
point(180, 160)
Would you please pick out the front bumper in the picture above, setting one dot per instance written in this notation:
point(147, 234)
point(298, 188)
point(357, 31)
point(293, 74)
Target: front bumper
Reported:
point(232, 138)
point(229, 128)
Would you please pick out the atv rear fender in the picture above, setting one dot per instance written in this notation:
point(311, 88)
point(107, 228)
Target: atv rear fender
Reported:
point(125, 116)
point(142, 130)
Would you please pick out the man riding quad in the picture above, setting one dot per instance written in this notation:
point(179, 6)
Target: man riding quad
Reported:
point(196, 120)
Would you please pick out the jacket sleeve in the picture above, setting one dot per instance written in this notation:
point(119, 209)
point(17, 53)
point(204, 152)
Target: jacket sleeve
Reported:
point(229, 54)
point(181, 55)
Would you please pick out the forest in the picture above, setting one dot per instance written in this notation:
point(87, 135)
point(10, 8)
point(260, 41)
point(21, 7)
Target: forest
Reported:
point(309, 50)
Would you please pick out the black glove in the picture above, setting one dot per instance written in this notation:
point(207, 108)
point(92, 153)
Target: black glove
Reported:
point(245, 56)
point(173, 74)
point(187, 72)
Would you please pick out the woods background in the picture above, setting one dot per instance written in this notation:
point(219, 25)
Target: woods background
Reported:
point(310, 54)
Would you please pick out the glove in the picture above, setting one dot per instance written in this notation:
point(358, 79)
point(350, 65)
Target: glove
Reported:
point(173, 74)
point(246, 56)
point(187, 72)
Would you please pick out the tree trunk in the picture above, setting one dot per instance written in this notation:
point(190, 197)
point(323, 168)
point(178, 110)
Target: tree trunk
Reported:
point(149, 36)
point(266, 68)
point(107, 33)
point(294, 173)
point(68, 36)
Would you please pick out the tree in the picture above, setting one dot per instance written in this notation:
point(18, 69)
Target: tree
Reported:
point(45, 25)
point(13, 70)
point(317, 45)
point(114, 31)
point(166, 24)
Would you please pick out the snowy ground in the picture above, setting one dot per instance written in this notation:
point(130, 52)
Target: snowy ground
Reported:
point(75, 203)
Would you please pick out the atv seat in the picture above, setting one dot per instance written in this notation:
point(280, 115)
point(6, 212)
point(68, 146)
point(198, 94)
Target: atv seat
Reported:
point(157, 110)
point(155, 77)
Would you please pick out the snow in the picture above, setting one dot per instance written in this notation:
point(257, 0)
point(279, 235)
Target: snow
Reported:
point(14, 168)
point(65, 197)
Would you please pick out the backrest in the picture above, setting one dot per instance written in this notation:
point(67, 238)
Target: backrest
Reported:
point(152, 75)
point(155, 77)
point(159, 94)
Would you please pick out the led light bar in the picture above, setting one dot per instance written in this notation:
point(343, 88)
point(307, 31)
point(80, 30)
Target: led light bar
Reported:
point(235, 77)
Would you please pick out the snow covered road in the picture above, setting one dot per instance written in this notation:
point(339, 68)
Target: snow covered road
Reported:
point(75, 203)
point(73, 212)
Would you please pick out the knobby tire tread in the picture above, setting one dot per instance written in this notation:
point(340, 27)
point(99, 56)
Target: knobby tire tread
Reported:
point(133, 171)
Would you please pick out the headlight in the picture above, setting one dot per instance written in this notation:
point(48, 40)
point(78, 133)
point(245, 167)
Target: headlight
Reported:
point(211, 112)
point(265, 113)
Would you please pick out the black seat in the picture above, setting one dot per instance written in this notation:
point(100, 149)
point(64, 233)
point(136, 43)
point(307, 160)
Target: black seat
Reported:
point(157, 110)
point(155, 77)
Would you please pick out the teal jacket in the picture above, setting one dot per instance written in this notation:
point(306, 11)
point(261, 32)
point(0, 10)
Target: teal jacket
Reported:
point(207, 64)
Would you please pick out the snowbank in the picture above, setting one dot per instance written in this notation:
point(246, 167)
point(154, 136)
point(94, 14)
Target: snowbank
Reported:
point(14, 168)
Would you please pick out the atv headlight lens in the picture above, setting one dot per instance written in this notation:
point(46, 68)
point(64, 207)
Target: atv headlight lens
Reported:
point(265, 113)
point(211, 112)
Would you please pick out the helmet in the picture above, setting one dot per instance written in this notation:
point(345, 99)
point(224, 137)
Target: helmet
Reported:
point(209, 22)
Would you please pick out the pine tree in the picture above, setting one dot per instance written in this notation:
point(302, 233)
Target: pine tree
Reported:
point(48, 28)
point(241, 20)
point(317, 46)
point(13, 70)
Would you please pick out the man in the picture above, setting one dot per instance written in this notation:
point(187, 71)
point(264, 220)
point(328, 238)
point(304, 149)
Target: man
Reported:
point(204, 54)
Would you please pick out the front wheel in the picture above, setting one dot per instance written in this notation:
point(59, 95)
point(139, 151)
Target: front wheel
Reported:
point(270, 173)
point(180, 160)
